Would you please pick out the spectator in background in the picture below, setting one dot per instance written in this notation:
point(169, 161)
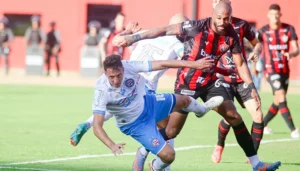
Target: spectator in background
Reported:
point(34, 34)
point(6, 36)
point(92, 38)
point(52, 47)
point(106, 46)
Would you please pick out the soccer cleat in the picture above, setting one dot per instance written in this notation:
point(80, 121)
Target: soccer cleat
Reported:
point(217, 154)
point(210, 104)
point(139, 161)
point(268, 130)
point(295, 134)
point(76, 136)
point(150, 165)
point(267, 167)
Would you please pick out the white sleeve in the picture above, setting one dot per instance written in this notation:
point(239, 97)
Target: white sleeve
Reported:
point(100, 102)
point(178, 49)
point(138, 66)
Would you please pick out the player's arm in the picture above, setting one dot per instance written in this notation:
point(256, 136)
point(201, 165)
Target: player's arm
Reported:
point(223, 71)
point(244, 73)
point(201, 64)
point(250, 35)
point(127, 40)
point(295, 49)
point(99, 108)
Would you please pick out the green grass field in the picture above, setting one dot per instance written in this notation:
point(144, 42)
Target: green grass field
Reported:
point(36, 122)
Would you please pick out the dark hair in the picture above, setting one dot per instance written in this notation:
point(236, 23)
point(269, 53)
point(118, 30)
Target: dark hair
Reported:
point(112, 61)
point(274, 7)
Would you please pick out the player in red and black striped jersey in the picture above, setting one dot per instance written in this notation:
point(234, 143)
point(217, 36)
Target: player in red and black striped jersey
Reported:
point(278, 38)
point(211, 37)
point(236, 87)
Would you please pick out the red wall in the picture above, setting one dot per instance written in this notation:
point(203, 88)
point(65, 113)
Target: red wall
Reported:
point(71, 18)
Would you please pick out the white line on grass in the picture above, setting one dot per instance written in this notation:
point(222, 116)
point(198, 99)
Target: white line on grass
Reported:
point(22, 168)
point(133, 153)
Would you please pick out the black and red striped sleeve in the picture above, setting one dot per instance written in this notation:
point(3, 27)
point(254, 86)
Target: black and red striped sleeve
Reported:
point(249, 31)
point(293, 33)
point(191, 28)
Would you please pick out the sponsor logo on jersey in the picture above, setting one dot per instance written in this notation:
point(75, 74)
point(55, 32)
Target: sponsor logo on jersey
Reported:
point(187, 92)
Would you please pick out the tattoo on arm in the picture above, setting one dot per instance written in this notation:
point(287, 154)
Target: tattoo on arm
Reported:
point(136, 37)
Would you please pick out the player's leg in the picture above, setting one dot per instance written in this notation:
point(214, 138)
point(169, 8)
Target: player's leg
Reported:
point(82, 128)
point(223, 127)
point(245, 99)
point(280, 96)
point(273, 80)
point(6, 63)
point(228, 111)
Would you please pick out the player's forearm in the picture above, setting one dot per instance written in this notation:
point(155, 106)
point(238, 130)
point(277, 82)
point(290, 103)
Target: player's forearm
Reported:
point(257, 48)
point(244, 73)
point(294, 53)
point(253, 69)
point(102, 136)
point(222, 71)
point(154, 33)
point(165, 64)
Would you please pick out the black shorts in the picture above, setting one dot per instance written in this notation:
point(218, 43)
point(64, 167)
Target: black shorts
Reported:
point(240, 91)
point(278, 82)
point(213, 89)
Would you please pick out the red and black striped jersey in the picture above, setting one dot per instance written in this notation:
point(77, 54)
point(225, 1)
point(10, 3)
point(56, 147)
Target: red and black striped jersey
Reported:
point(243, 30)
point(201, 41)
point(275, 43)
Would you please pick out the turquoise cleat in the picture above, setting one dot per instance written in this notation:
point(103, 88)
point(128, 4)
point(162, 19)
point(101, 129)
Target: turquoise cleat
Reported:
point(76, 136)
point(267, 167)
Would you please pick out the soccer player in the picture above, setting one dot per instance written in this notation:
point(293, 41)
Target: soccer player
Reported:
point(121, 92)
point(278, 38)
point(236, 87)
point(210, 37)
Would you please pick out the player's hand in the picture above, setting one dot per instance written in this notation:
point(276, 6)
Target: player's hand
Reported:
point(256, 97)
point(205, 63)
point(122, 41)
point(253, 56)
point(117, 148)
point(133, 27)
point(286, 54)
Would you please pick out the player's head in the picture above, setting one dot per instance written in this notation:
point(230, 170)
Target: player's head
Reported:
point(215, 2)
point(274, 14)
point(176, 19)
point(114, 70)
point(119, 21)
point(221, 17)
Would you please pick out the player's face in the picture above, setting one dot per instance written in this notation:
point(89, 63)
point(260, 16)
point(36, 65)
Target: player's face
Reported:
point(115, 76)
point(93, 31)
point(215, 2)
point(35, 24)
point(274, 16)
point(221, 22)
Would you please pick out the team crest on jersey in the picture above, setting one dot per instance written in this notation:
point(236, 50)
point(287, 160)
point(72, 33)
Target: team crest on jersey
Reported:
point(155, 142)
point(224, 47)
point(129, 83)
point(270, 39)
point(284, 38)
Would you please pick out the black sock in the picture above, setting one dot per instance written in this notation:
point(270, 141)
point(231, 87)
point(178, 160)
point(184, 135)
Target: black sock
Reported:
point(222, 132)
point(285, 112)
point(257, 134)
point(271, 114)
point(244, 139)
point(163, 133)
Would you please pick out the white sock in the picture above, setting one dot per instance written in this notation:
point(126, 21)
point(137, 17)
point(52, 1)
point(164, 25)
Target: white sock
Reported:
point(159, 165)
point(254, 160)
point(89, 122)
point(195, 107)
point(172, 143)
point(144, 151)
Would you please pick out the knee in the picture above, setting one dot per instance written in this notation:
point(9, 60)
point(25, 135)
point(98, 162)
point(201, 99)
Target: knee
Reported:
point(258, 117)
point(169, 156)
point(182, 101)
point(172, 132)
point(233, 117)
